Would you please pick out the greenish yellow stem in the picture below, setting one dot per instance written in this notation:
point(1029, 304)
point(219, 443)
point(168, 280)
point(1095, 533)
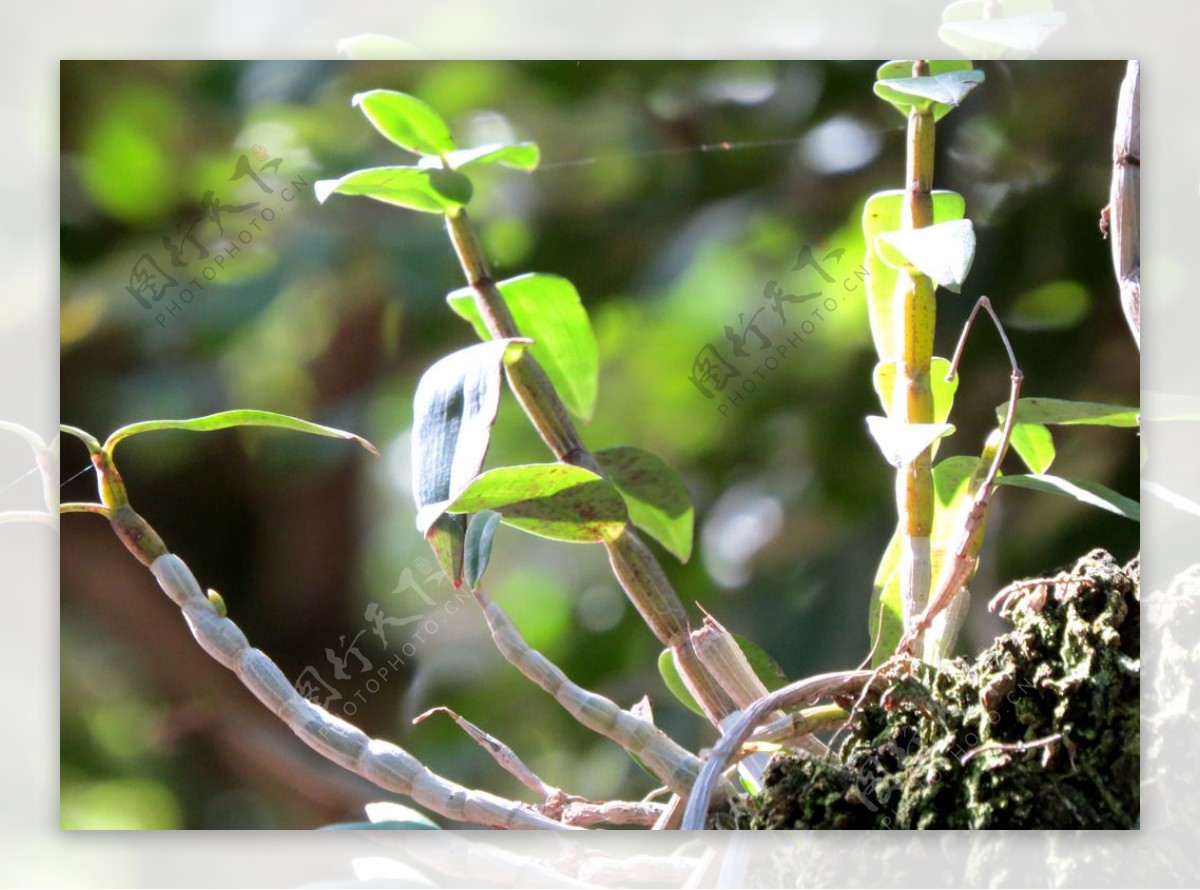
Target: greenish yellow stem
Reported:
point(915, 321)
point(634, 565)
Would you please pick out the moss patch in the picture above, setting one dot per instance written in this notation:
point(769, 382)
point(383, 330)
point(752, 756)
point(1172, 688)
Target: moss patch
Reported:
point(1039, 730)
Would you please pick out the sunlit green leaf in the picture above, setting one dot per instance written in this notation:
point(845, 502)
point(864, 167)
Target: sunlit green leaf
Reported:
point(1034, 443)
point(523, 156)
point(1068, 412)
point(415, 188)
point(943, 252)
point(240, 418)
point(901, 442)
point(558, 501)
point(657, 499)
point(942, 90)
point(886, 615)
point(477, 548)
point(1083, 490)
point(882, 214)
point(453, 410)
point(406, 121)
point(547, 309)
point(670, 675)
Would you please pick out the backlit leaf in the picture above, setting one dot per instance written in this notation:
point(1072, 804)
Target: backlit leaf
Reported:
point(1083, 490)
point(657, 499)
point(523, 156)
point(415, 188)
point(943, 252)
point(240, 418)
point(547, 309)
point(558, 501)
point(406, 121)
point(1068, 412)
point(1034, 443)
point(670, 675)
point(882, 214)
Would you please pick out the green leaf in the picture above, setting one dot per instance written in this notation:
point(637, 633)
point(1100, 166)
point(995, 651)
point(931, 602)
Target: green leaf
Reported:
point(1051, 307)
point(524, 156)
point(1082, 490)
point(943, 252)
point(478, 545)
point(453, 410)
point(1067, 412)
point(765, 667)
point(937, 92)
point(882, 214)
point(1034, 443)
point(406, 121)
point(884, 378)
point(886, 615)
point(954, 484)
point(228, 419)
point(670, 675)
point(900, 442)
point(547, 309)
point(415, 188)
point(657, 500)
point(557, 501)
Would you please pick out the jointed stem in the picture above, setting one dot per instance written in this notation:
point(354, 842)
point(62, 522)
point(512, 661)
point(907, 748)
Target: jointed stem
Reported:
point(634, 565)
point(913, 398)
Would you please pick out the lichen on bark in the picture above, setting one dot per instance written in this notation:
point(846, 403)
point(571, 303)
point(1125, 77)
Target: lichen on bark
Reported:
point(1039, 730)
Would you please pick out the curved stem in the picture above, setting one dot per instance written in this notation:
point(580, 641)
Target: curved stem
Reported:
point(387, 765)
point(800, 692)
point(638, 572)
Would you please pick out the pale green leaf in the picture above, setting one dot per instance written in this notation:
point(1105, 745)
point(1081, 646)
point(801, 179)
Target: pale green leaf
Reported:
point(670, 675)
point(547, 309)
point(884, 378)
point(558, 501)
point(886, 615)
point(943, 252)
point(1083, 490)
point(524, 156)
point(1035, 445)
point(937, 92)
point(406, 121)
point(657, 499)
point(1068, 412)
point(415, 188)
point(882, 214)
point(240, 418)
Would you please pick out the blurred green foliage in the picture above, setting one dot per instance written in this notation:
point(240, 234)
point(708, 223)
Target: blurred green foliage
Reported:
point(670, 194)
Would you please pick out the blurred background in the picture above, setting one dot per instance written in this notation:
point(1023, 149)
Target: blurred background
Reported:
point(670, 194)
